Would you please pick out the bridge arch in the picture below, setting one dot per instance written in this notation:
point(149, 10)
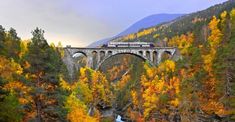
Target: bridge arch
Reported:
point(113, 55)
point(79, 52)
point(110, 52)
point(168, 52)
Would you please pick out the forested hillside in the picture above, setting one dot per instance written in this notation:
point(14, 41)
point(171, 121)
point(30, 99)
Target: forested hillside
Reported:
point(200, 86)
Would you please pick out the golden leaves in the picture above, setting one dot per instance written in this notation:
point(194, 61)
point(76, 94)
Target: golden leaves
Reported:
point(8, 68)
point(64, 84)
point(145, 32)
point(77, 110)
point(86, 91)
point(232, 16)
point(167, 66)
point(183, 42)
point(175, 102)
point(129, 37)
point(156, 83)
point(216, 35)
point(19, 89)
point(134, 98)
point(139, 34)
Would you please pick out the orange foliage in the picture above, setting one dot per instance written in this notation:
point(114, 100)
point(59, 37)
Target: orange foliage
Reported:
point(209, 97)
point(21, 90)
point(125, 79)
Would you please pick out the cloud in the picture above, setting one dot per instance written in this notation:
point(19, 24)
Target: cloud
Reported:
point(60, 22)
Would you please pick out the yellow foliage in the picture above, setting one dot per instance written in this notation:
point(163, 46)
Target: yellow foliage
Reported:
point(100, 87)
point(64, 84)
point(207, 59)
point(168, 66)
point(232, 13)
point(8, 68)
point(150, 71)
point(209, 97)
point(157, 82)
point(77, 110)
point(216, 35)
point(134, 98)
point(183, 42)
point(129, 37)
point(145, 32)
point(83, 71)
point(156, 35)
point(232, 16)
point(223, 16)
point(84, 92)
point(23, 46)
point(175, 102)
point(214, 40)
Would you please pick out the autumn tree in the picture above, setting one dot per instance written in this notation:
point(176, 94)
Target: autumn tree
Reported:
point(2, 39)
point(160, 89)
point(88, 96)
point(45, 67)
point(223, 65)
point(12, 44)
point(11, 109)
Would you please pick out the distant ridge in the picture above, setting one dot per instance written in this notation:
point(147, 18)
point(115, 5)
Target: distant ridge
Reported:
point(149, 21)
point(146, 22)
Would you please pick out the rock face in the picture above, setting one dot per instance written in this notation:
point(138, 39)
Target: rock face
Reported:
point(108, 112)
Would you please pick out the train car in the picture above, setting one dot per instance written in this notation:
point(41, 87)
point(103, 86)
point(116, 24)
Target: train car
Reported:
point(130, 44)
point(111, 45)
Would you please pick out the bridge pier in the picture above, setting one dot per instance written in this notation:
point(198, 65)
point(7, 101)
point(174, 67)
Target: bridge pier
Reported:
point(159, 56)
point(98, 57)
point(144, 53)
point(89, 61)
point(151, 56)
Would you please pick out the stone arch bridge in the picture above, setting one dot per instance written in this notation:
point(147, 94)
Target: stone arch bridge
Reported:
point(96, 56)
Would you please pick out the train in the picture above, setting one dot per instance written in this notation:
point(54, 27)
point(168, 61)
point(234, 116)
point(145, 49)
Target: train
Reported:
point(128, 44)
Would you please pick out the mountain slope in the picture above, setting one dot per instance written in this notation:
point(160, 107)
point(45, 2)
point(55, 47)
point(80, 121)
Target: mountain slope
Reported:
point(146, 22)
point(188, 23)
point(149, 21)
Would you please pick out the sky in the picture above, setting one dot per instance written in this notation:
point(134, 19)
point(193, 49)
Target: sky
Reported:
point(80, 22)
